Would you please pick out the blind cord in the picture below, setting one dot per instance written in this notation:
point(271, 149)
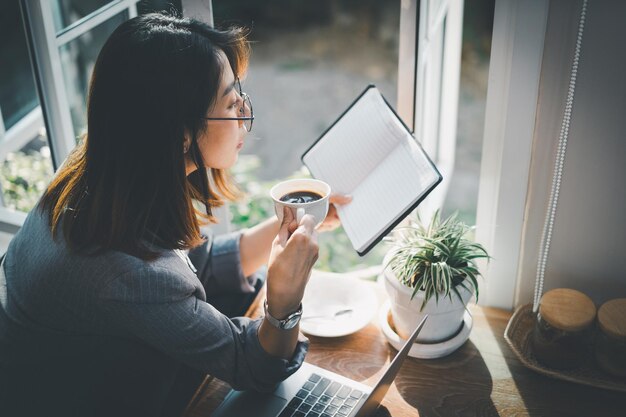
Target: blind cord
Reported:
point(546, 235)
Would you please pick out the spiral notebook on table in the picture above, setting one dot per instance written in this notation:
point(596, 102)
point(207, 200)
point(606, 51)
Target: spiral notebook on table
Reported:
point(370, 153)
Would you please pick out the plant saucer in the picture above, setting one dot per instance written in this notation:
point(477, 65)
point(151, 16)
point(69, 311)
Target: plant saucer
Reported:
point(424, 350)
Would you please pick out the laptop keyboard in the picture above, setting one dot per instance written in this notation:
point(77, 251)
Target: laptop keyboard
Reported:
point(322, 397)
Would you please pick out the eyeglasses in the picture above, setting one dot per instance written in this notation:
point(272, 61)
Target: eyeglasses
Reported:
point(247, 116)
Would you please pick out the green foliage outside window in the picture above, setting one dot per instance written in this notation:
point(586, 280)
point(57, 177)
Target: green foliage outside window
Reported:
point(24, 177)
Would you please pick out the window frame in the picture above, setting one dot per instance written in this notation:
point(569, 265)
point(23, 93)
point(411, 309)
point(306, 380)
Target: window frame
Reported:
point(44, 43)
point(429, 71)
point(18, 135)
point(511, 109)
point(53, 111)
point(514, 74)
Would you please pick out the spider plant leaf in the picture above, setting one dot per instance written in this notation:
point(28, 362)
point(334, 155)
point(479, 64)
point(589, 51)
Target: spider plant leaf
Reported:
point(433, 276)
point(474, 283)
point(447, 279)
point(415, 291)
point(439, 246)
point(475, 256)
point(458, 294)
point(430, 257)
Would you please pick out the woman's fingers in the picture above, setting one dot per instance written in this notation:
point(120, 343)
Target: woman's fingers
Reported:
point(307, 224)
point(340, 199)
point(290, 263)
point(331, 222)
point(287, 226)
point(305, 241)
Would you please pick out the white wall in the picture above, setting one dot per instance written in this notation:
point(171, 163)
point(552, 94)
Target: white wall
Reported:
point(588, 250)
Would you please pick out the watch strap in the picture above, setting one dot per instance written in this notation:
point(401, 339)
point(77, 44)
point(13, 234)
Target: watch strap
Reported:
point(288, 322)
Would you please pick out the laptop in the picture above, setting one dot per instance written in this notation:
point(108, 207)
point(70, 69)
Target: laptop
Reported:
point(315, 392)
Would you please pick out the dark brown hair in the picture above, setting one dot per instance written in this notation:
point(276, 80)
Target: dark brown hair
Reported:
point(124, 186)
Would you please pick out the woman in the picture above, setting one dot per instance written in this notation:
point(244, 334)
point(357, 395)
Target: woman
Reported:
point(102, 309)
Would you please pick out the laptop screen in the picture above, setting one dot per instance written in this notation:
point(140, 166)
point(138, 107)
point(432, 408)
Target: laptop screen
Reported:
point(381, 388)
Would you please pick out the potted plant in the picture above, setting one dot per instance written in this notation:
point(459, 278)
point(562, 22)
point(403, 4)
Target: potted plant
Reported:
point(431, 269)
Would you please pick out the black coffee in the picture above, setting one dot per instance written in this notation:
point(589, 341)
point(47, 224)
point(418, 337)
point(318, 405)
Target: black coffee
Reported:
point(300, 197)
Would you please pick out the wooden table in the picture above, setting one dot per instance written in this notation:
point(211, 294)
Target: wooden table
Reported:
point(482, 378)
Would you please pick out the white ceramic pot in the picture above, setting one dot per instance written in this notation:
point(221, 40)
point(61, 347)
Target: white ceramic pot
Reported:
point(445, 317)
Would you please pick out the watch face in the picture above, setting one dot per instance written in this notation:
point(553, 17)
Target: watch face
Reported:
point(292, 321)
point(288, 323)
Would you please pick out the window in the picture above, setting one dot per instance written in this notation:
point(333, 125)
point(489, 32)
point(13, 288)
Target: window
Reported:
point(63, 57)
point(309, 61)
point(462, 195)
point(66, 37)
point(26, 164)
point(78, 58)
point(448, 78)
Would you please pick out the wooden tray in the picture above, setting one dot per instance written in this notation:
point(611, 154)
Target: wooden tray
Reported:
point(517, 335)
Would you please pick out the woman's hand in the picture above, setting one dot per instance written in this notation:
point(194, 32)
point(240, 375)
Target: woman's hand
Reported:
point(294, 252)
point(332, 219)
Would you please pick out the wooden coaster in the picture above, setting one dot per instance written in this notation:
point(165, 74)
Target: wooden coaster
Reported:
point(517, 335)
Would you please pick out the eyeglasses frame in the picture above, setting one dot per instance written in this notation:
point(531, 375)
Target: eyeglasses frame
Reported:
point(244, 97)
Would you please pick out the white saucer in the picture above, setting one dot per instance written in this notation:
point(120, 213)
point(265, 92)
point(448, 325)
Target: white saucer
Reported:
point(425, 350)
point(328, 292)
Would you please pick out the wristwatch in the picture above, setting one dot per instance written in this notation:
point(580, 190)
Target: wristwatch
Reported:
point(287, 323)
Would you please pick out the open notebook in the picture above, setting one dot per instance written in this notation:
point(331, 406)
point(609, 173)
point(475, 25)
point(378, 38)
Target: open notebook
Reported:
point(369, 152)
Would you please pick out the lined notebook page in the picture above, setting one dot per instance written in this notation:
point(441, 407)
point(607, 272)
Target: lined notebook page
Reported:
point(398, 181)
point(356, 144)
point(369, 154)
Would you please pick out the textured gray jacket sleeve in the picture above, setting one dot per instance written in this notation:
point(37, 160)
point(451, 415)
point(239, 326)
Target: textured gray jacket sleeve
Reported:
point(165, 312)
point(219, 265)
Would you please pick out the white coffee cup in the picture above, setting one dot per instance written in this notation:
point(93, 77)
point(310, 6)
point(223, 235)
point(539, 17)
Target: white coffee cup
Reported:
point(318, 208)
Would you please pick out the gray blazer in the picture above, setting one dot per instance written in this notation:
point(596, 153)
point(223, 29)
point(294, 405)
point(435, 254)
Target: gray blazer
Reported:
point(113, 328)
